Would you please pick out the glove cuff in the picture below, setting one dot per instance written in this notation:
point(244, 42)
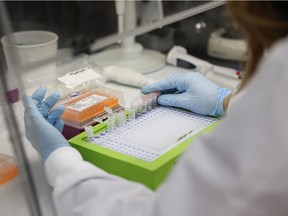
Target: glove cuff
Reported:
point(222, 94)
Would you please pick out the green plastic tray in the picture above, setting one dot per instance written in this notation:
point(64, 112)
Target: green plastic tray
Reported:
point(151, 174)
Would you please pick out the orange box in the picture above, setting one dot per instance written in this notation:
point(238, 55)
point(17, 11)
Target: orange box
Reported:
point(8, 168)
point(82, 109)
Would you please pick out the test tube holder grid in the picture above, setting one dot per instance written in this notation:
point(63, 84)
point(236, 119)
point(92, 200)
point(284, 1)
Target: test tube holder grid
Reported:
point(133, 163)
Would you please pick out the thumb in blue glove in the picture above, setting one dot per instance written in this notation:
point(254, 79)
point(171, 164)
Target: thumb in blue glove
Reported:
point(42, 125)
point(190, 91)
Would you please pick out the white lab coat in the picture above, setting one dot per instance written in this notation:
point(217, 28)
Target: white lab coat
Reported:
point(241, 169)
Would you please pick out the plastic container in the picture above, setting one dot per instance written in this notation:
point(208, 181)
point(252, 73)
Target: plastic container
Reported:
point(76, 73)
point(8, 168)
point(81, 108)
point(27, 47)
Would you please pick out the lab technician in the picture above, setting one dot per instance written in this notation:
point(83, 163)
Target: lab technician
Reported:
point(239, 169)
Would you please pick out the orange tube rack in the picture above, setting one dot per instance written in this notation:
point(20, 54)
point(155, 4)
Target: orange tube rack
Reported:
point(8, 168)
point(84, 108)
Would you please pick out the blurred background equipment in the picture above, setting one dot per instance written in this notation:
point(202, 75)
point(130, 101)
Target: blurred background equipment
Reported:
point(131, 54)
point(227, 45)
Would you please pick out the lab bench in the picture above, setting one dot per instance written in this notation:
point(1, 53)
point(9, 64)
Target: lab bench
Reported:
point(12, 199)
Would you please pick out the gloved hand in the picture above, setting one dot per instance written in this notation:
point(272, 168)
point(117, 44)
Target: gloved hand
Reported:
point(42, 125)
point(190, 91)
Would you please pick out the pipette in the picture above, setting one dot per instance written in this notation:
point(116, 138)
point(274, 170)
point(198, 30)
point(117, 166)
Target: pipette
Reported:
point(177, 55)
point(125, 76)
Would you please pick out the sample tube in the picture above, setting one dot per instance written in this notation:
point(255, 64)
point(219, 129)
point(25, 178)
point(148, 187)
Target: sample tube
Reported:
point(124, 116)
point(89, 131)
point(149, 104)
point(151, 100)
point(133, 104)
point(139, 107)
point(144, 106)
point(154, 100)
point(132, 114)
point(110, 125)
point(121, 119)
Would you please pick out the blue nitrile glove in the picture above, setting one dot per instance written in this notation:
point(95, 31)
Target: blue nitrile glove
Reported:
point(190, 91)
point(42, 125)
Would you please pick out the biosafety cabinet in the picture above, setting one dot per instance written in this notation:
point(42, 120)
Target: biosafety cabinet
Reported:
point(89, 51)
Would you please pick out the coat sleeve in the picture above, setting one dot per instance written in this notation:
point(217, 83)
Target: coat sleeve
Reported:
point(239, 169)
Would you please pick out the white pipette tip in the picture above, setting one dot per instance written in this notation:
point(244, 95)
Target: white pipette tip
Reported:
point(121, 103)
point(108, 110)
point(98, 120)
